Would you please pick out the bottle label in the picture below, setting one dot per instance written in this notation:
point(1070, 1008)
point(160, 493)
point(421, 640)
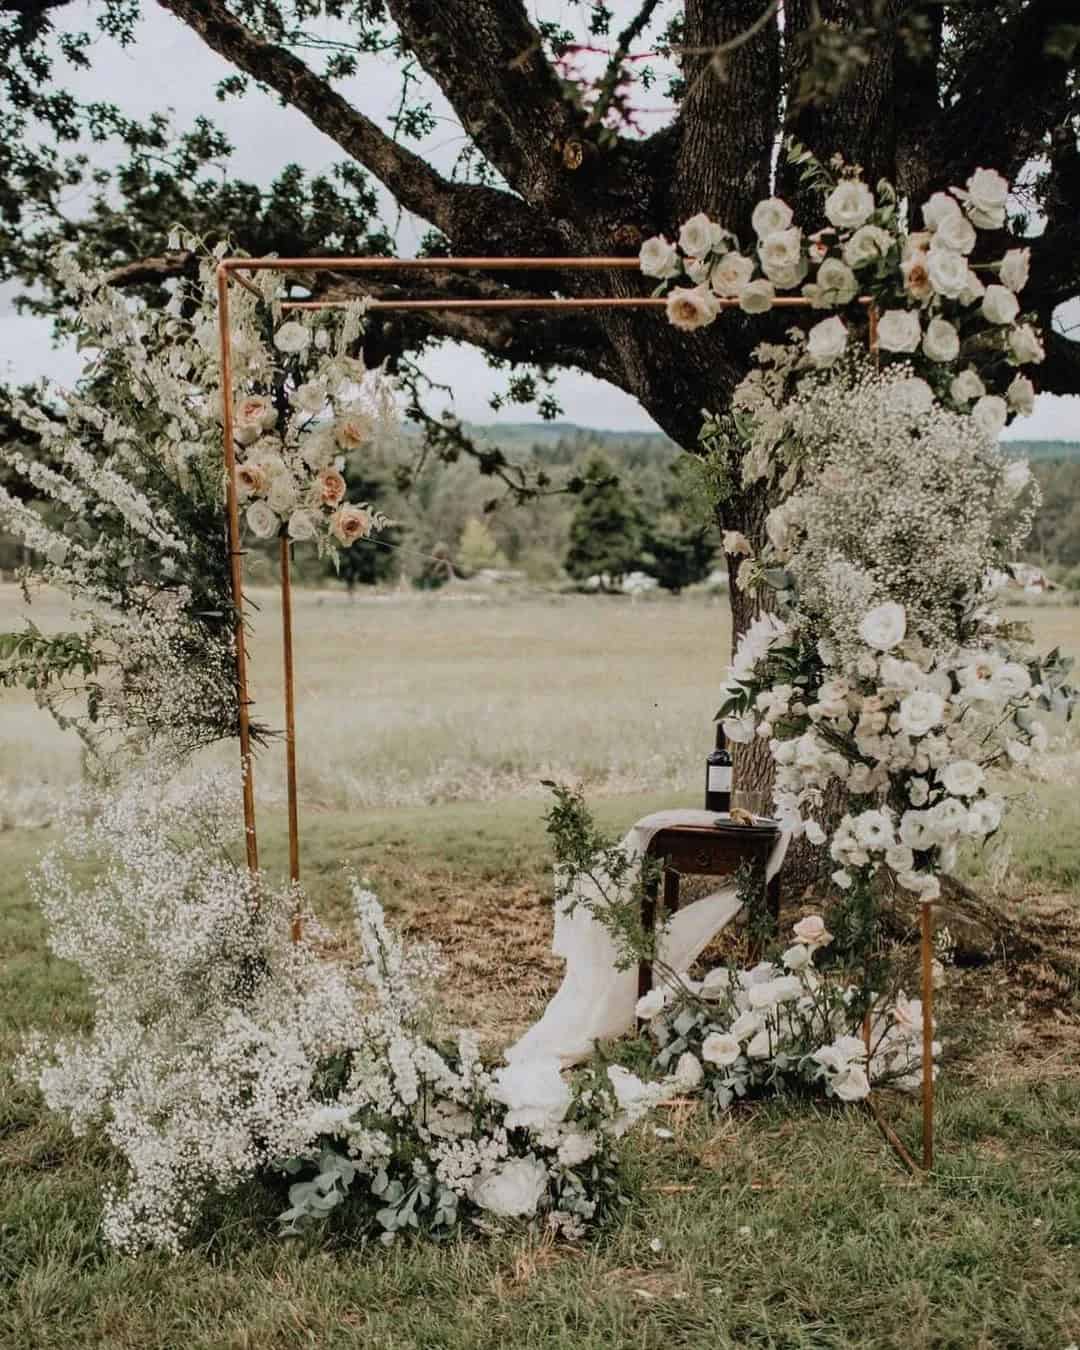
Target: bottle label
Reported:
point(719, 777)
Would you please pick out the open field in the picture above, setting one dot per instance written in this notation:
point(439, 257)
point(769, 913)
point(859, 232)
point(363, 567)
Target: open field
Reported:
point(406, 699)
point(784, 1226)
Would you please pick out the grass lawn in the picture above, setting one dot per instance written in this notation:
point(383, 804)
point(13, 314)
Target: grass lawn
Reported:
point(786, 1225)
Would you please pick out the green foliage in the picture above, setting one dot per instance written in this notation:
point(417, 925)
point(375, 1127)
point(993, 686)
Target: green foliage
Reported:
point(478, 548)
point(606, 531)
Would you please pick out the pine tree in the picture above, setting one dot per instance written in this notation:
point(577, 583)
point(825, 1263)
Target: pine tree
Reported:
point(605, 533)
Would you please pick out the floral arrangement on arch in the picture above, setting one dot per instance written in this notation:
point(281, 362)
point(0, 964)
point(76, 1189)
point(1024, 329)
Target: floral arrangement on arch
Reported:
point(127, 470)
point(879, 662)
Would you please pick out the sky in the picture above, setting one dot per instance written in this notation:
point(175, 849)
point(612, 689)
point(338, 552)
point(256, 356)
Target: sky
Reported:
point(169, 67)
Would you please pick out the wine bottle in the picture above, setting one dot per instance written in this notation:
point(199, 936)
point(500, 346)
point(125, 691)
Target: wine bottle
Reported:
point(718, 774)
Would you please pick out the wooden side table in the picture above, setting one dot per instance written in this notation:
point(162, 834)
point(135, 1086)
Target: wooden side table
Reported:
point(705, 851)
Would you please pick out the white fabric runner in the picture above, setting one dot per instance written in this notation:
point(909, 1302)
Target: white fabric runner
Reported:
point(595, 1001)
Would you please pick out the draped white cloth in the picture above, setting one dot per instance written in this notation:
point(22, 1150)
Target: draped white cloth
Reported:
point(595, 1001)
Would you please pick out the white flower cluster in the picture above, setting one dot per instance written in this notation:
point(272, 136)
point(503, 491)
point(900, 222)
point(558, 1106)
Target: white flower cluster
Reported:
point(966, 334)
point(761, 1029)
point(221, 1051)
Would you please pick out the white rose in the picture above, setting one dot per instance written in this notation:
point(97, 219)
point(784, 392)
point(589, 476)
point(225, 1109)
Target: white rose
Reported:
point(731, 274)
point(628, 1087)
point(899, 331)
point(987, 193)
point(696, 235)
point(955, 232)
point(697, 269)
point(841, 879)
point(648, 1005)
point(534, 1092)
point(262, 521)
point(950, 816)
point(918, 791)
point(849, 205)
point(966, 386)
point(962, 778)
point(999, 305)
point(780, 250)
point(1010, 681)
point(576, 1148)
point(690, 308)
point(973, 290)
point(939, 208)
point(1026, 347)
point(797, 957)
point(739, 730)
point(985, 816)
point(513, 1190)
point(900, 858)
point(1015, 268)
point(814, 833)
point(771, 215)
point(284, 494)
point(920, 712)
point(835, 284)
point(787, 278)
point(292, 338)
point(990, 414)
point(826, 341)
point(757, 297)
point(301, 526)
point(318, 449)
point(760, 1045)
point(747, 1024)
point(720, 1048)
point(941, 342)
point(658, 258)
point(919, 831)
point(884, 626)
point(310, 397)
point(1021, 395)
point(852, 1085)
point(873, 829)
point(688, 1072)
point(948, 272)
point(811, 930)
point(867, 245)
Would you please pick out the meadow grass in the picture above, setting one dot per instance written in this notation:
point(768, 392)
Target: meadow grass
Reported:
point(783, 1225)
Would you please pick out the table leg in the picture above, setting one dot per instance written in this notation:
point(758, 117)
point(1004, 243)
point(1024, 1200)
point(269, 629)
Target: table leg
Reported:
point(649, 895)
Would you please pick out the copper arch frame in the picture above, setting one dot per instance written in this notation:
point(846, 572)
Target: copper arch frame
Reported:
point(236, 267)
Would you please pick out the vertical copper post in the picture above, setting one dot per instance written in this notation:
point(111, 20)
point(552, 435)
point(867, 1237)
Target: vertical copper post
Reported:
point(927, 1038)
point(236, 569)
point(290, 723)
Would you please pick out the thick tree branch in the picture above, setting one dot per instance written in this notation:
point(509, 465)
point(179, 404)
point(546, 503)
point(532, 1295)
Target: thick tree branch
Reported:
point(413, 182)
point(487, 58)
point(151, 271)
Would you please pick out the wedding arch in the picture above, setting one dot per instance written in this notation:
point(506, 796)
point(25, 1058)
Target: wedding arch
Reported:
point(238, 269)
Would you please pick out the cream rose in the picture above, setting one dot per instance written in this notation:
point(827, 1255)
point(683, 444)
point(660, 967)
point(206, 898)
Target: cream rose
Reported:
point(513, 1190)
point(849, 205)
point(920, 712)
point(939, 208)
point(658, 258)
point(966, 386)
point(771, 215)
point(1021, 395)
point(898, 330)
point(720, 1048)
point(985, 816)
point(826, 341)
point(999, 305)
point(948, 272)
point(962, 778)
point(941, 341)
point(867, 245)
point(534, 1093)
point(283, 494)
point(696, 235)
point(780, 250)
point(736, 544)
point(251, 481)
point(689, 309)
point(990, 414)
point(835, 284)
point(352, 431)
point(987, 193)
point(811, 930)
point(955, 232)
point(1015, 267)
point(1025, 345)
point(262, 522)
point(916, 275)
point(900, 858)
point(311, 397)
point(884, 627)
point(349, 524)
point(1010, 681)
point(301, 526)
point(757, 296)
point(292, 338)
point(974, 290)
point(330, 486)
point(649, 1005)
point(731, 274)
point(251, 417)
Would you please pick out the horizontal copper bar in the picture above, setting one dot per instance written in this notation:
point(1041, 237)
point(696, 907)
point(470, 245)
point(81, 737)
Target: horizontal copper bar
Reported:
point(431, 264)
point(600, 302)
